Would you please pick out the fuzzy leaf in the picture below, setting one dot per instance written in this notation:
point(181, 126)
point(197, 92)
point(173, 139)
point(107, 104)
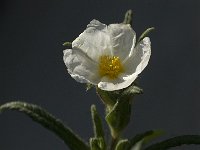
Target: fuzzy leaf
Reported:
point(119, 116)
point(137, 146)
point(48, 121)
point(145, 33)
point(175, 141)
point(122, 145)
point(97, 124)
point(97, 144)
point(128, 17)
point(155, 134)
point(145, 138)
point(69, 44)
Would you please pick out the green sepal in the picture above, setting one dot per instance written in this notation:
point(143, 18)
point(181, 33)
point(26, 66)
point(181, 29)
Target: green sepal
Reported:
point(97, 144)
point(128, 17)
point(119, 116)
point(175, 141)
point(89, 86)
point(48, 121)
point(144, 138)
point(97, 123)
point(145, 33)
point(131, 91)
point(122, 145)
point(110, 97)
point(69, 44)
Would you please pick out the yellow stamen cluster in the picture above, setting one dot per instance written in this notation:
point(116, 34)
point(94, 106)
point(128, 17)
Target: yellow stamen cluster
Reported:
point(110, 66)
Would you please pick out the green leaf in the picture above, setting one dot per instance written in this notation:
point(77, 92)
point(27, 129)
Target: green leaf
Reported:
point(137, 146)
point(119, 117)
point(145, 137)
point(155, 134)
point(97, 144)
point(69, 44)
point(99, 140)
point(128, 17)
point(122, 145)
point(175, 141)
point(48, 121)
point(145, 33)
point(97, 124)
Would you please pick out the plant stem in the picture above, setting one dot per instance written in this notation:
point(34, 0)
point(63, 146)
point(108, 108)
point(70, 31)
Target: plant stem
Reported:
point(113, 143)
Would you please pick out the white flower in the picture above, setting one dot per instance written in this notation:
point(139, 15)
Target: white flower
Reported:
point(107, 56)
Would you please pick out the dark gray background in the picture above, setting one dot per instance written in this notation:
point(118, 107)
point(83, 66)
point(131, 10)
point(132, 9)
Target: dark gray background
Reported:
point(32, 69)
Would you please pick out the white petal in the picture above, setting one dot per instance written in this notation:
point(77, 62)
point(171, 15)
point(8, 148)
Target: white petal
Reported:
point(122, 39)
point(140, 57)
point(94, 41)
point(80, 66)
point(133, 66)
point(121, 82)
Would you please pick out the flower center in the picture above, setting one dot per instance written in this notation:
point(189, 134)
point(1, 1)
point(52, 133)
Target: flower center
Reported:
point(110, 66)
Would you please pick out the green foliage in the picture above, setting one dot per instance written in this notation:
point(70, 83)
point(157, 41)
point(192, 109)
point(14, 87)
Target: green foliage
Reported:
point(145, 33)
point(128, 17)
point(68, 44)
point(175, 141)
point(97, 124)
point(108, 97)
point(131, 91)
point(152, 136)
point(122, 145)
point(97, 144)
point(137, 146)
point(48, 121)
point(118, 107)
point(119, 117)
point(89, 86)
point(145, 138)
point(96, 120)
